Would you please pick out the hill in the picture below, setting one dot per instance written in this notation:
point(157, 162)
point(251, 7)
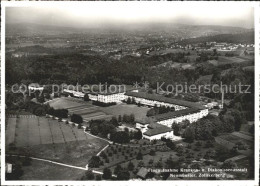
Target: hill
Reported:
point(245, 37)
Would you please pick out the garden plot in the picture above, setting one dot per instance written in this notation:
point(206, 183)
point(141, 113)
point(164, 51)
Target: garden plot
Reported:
point(10, 131)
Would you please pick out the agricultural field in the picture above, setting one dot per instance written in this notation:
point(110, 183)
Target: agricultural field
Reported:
point(47, 171)
point(49, 139)
point(76, 106)
point(235, 137)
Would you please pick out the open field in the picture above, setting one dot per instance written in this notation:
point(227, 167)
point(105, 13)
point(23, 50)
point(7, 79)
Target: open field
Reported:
point(49, 139)
point(11, 127)
point(233, 138)
point(76, 106)
point(92, 112)
point(66, 103)
point(121, 109)
point(46, 171)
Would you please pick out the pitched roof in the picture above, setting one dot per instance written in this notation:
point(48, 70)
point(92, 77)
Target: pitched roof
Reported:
point(160, 98)
point(155, 128)
point(108, 91)
point(175, 114)
point(143, 120)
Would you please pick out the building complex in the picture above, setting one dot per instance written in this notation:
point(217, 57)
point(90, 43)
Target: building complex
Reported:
point(157, 126)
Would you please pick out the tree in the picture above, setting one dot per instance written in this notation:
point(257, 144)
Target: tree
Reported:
point(132, 118)
point(79, 126)
point(139, 156)
point(152, 152)
point(94, 162)
point(118, 169)
point(123, 175)
point(88, 175)
point(114, 121)
point(151, 112)
point(107, 174)
point(133, 101)
point(150, 162)
point(222, 153)
point(98, 177)
point(119, 118)
point(76, 118)
point(189, 134)
point(128, 101)
point(40, 98)
point(120, 137)
point(125, 118)
point(170, 144)
point(138, 135)
point(130, 166)
point(86, 97)
point(94, 130)
point(176, 129)
point(159, 164)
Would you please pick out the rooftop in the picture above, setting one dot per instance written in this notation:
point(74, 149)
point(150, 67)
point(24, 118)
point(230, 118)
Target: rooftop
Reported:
point(142, 172)
point(155, 128)
point(160, 98)
point(175, 114)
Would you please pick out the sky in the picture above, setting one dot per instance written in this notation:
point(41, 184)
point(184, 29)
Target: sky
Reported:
point(91, 14)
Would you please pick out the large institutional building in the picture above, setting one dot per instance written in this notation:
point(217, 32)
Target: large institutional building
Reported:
point(159, 125)
point(107, 97)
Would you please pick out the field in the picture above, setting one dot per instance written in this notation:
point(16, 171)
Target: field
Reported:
point(235, 137)
point(121, 109)
point(76, 106)
point(66, 103)
point(49, 139)
point(47, 171)
point(91, 112)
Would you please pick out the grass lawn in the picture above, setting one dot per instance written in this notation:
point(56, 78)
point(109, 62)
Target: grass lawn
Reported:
point(121, 109)
point(66, 103)
point(11, 127)
point(46, 171)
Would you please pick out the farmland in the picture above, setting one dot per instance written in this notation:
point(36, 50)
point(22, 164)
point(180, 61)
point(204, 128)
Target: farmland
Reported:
point(47, 171)
point(76, 106)
point(47, 138)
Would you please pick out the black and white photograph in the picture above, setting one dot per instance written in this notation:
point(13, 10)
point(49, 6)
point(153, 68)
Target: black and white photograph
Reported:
point(129, 91)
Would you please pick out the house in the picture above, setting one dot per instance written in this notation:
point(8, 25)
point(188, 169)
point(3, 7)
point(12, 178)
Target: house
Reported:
point(156, 131)
point(142, 173)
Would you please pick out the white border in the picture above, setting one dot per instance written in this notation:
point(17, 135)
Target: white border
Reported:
point(155, 183)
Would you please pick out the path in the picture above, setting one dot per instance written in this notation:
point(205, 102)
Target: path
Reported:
point(49, 161)
point(57, 163)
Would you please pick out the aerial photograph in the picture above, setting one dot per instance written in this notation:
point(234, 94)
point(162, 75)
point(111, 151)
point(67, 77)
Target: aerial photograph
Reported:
point(105, 91)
